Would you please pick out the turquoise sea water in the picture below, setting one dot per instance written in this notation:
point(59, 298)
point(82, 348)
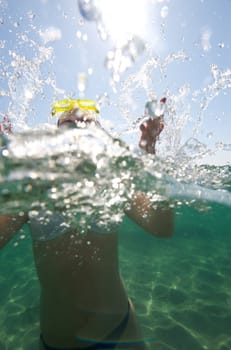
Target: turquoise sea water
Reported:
point(180, 287)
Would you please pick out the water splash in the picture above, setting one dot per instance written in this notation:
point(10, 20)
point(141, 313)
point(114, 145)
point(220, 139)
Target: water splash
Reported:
point(124, 55)
point(82, 180)
point(25, 70)
point(180, 109)
point(95, 169)
point(221, 81)
point(126, 50)
point(25, 82)
point(142, 84)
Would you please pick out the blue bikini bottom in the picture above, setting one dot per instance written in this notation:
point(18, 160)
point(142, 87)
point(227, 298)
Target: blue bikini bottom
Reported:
point(107, 343)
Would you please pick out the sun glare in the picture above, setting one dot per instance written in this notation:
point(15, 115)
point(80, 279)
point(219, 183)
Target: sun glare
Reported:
point(123, 17)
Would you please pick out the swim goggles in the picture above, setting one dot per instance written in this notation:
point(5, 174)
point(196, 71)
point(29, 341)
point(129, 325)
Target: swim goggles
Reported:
point(69, 104)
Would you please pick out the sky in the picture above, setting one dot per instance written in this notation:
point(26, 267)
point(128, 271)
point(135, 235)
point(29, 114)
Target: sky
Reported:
point(175, 48)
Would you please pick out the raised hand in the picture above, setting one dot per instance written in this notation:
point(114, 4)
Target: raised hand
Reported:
point(150, 131)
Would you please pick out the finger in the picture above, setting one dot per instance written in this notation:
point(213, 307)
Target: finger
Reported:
point(142, 127)
point(161, 127)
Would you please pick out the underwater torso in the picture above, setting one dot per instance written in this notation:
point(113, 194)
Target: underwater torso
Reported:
point(47, 226)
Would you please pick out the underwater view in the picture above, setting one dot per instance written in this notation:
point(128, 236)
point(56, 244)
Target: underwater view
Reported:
point(95, 218)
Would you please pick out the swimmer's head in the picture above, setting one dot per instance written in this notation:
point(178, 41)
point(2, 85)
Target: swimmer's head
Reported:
point(75, 113)
point(77, 118)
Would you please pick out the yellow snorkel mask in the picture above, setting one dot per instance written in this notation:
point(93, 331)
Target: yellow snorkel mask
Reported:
point(69, 104)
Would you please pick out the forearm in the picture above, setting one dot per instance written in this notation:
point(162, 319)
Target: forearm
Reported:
point(9, 225)
point(158, 221)
point(156, 218)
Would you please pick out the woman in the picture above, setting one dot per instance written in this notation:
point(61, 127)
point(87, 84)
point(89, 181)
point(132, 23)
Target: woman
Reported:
point(84, 304)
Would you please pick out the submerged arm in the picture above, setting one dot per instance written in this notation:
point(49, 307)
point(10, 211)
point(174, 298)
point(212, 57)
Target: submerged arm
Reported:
point(9, 225)
point(158, 221)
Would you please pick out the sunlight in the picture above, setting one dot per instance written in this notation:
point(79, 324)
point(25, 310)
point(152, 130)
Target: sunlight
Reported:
point(124, 17)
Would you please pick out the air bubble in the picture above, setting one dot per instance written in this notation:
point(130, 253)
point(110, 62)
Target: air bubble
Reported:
point(28, 188)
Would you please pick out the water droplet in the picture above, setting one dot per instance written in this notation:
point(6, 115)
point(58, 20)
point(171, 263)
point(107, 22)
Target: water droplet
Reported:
point(149, 109)
point(102, 30)
point(82, 81)
point(209, 135)
point(28, 94)
point(205, 39)
point(116, 78)
point(154, 108)
point(184, 90)
point(78, 34)
point(90, 71)
point(2, 44)
point(5, 153)
point(124, 55)
point(88, 9)
point(24, 37)
point(51, 34)
point(164, 11)
point(81, 22)
point(28, 188)
point(85, 37)
point(215, 72)
point(31, 15)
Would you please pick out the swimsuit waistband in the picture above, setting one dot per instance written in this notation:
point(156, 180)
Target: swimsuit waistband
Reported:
point(108, 343)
